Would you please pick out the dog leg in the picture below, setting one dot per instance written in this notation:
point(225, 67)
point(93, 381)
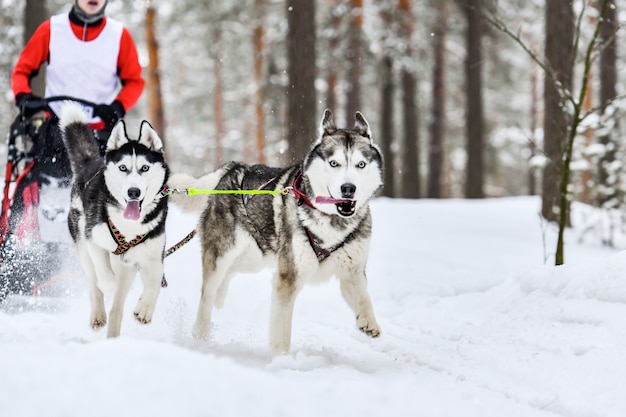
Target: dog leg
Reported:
point(98, 315)
point(151, 275)
point(284, 294)
point(216, 273)
point(125, 277)
point(202, 327)
point(212, 279)
point(222, 291)
point(354, 291)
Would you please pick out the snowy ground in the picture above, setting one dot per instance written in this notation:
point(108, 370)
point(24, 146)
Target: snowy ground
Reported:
point(474, 324)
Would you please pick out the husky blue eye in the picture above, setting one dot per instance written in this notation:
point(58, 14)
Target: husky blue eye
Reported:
point(145, 168)
point(123, 168)
point(334, 163)
point(361, 164)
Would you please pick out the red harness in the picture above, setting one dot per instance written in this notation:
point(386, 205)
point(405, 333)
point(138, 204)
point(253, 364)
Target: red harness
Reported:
point(297, 193)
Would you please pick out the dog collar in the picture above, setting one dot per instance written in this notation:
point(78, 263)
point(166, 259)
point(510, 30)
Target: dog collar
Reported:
point(297, 193)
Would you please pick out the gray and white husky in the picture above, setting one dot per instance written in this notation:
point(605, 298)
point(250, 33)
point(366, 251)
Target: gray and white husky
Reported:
point(318, 228)
point(117, 214)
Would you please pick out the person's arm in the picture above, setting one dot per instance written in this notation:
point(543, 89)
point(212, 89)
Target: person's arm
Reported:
point(33, 55)
point(129, 72)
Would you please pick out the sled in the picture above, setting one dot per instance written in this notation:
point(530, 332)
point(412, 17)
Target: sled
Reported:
point(35, 244)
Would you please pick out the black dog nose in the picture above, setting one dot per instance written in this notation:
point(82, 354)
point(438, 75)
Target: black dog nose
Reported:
point(347, 190)
point(134, 193)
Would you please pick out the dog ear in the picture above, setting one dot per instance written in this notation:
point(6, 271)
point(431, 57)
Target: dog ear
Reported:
point(327, 126)
point(118, 136)
point(149, 137)
point(361, 126)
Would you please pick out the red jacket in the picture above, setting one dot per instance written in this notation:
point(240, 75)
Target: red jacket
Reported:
point(37, 51)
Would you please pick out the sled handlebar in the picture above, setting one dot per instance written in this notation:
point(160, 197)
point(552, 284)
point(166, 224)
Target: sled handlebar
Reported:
point(36, 105)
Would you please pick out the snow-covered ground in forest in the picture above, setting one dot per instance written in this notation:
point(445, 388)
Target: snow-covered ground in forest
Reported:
point(476, 322)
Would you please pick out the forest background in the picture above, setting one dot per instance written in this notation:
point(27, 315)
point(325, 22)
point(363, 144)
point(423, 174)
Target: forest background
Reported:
point(455, 102)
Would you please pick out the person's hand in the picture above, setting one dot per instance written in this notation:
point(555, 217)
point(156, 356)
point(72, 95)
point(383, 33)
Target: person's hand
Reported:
point(109, 113)
point(29, 103)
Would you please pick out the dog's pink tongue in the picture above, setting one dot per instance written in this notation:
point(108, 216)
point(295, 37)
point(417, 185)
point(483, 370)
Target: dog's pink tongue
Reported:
point(132, 210)
point(329, 200)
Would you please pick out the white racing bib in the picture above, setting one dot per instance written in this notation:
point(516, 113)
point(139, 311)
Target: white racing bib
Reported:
point(85, 70)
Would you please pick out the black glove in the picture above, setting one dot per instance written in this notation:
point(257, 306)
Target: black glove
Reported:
point(109, 113)
point(29, 103)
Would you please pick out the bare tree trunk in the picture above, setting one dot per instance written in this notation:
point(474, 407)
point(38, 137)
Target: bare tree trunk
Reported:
point(218, 95)
point(333, 44)
point(301, 95)
point(155, 98)
point(259, 47)
point(410, 182)
point(437, 125)
point(387, 135)
point(386, 125)
point(585, 175)
point(608, 171)
point(354, 55)
point(410, 179)
point(586, 178)
point(559, 57)
point(534, 99)
point(35, 13)
point(474, 116)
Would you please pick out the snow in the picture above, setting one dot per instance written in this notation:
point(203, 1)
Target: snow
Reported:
point(474, 322)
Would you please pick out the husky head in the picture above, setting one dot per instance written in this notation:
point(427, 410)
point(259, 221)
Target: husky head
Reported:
point(135, 169)
point(344, 167)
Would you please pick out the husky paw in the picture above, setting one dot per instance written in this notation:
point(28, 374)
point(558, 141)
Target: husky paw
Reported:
point(98, 321)
point(143, 312)
point(142, 318)
point(370, 328)
point(370, 332)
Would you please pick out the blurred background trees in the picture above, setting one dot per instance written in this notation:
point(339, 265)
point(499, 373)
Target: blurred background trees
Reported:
point(458, 108)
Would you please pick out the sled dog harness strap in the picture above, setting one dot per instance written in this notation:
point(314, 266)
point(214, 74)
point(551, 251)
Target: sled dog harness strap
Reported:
point(122, 245)
point(164, 193)
point(173, 249)
point(92, 178)
point(263, 187)
point(320, 252)
point(180, 244)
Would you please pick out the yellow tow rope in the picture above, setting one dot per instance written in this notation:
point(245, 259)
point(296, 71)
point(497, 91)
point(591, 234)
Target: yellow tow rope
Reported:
point(195, 191)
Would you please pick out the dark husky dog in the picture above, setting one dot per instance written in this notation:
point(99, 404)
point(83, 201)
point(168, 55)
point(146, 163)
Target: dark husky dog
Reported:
point(117, 197)
point(324, 231)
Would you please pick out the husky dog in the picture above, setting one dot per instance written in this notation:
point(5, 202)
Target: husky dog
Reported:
point(319, 227)
point(117, 214)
